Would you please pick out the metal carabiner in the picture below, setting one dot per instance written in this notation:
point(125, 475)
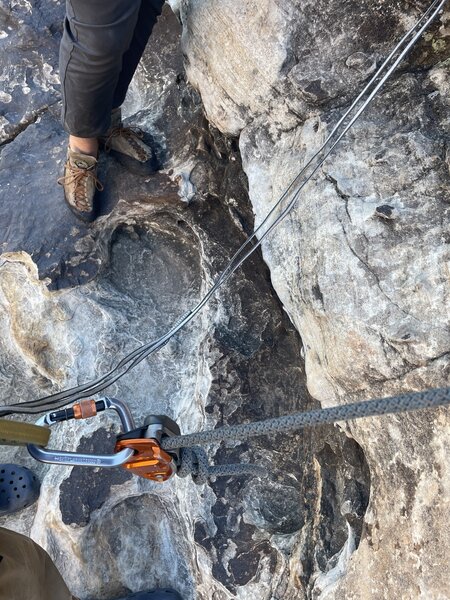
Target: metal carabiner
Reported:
point(84, 410)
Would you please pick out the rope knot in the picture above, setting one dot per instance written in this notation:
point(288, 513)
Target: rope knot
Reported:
point(194, 461)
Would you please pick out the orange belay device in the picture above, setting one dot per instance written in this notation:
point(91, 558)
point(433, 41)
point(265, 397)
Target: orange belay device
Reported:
point(150, 460)
point(156, 450)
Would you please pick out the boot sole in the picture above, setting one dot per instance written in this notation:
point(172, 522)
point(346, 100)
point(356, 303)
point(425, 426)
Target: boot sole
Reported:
point(19, 488)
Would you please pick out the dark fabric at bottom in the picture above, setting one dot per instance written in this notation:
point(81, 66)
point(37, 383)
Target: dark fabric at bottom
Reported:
point(27, 572)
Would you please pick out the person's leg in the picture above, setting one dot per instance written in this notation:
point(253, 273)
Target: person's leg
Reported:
point(148, 14)
point(27, 570)
point(130, 145)
point(96, 36)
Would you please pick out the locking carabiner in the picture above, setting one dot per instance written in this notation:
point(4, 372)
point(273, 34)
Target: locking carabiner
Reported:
point(84, 410)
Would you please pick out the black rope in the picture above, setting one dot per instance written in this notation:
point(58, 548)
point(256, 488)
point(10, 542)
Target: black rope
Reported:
point(194, 462)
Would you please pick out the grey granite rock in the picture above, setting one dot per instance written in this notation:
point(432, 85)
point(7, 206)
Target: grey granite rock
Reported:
point(29, 81)
point(74, 298)
point(361, 265)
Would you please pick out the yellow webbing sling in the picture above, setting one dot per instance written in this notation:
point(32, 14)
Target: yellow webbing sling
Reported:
point(15, 433)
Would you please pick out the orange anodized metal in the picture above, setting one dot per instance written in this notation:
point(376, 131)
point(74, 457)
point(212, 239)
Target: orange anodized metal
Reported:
point(149, 460)
point(84, 409)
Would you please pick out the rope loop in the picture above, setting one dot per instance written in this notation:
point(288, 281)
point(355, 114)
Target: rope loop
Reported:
point(194, 462)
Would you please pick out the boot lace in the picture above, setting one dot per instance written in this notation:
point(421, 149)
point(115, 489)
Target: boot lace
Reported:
point(78, 177)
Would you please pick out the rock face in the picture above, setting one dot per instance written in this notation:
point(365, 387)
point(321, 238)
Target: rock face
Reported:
point(73, 298)
point(361, 265)
point(360, 269)
point(29, 36)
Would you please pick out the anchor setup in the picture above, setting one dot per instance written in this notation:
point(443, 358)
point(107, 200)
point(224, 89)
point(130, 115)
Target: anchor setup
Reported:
point(157, 450)
point(137, 449)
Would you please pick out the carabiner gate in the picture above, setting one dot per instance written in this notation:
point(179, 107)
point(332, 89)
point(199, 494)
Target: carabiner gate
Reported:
point(84, 410)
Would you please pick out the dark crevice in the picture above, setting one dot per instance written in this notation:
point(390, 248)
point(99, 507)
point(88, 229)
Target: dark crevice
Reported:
point(24, 126)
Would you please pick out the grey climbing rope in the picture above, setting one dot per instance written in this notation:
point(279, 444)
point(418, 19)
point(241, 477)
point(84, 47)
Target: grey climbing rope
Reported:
point(194, 461)
point(357, 410)
point(271, 221)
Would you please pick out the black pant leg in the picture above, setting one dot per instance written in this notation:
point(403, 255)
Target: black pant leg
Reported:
point(97, 34)
point(148, 14)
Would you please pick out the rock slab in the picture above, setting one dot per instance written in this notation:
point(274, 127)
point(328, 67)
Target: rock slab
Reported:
point(74, 298)
point(361, 265)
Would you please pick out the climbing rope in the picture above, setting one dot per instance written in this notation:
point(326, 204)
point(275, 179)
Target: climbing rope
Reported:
point(195, 462)
point(280, 210)
point(157, 450)
point(334, 414)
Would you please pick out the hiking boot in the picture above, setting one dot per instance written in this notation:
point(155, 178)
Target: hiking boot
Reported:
point(128, 146)
point(80, 183)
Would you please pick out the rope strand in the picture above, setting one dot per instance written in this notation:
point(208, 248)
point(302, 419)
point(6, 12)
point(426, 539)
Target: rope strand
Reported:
point(358, 410)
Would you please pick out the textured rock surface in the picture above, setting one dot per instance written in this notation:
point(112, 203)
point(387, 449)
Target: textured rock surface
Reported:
point(362, 265)
point(74, 298)
point(29, 39)
point(361, 268)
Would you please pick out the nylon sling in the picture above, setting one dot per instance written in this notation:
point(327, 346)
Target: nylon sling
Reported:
point(13, 433)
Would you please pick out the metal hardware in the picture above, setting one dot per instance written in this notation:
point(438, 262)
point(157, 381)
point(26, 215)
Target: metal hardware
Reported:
point(79, 411)
point(150, 460)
